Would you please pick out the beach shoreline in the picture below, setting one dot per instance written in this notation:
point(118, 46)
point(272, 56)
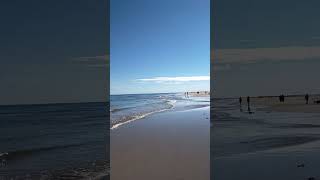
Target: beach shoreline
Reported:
point(295, 104)
point(166, 145)
point(278, 140)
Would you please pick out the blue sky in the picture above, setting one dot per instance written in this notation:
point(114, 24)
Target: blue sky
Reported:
point(166, 42)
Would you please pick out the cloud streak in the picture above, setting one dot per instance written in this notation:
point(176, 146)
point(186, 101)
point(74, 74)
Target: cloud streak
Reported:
point(179, 79)
point(254, 55)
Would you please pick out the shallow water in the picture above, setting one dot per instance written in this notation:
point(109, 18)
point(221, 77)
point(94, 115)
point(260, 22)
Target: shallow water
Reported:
point(128, 108)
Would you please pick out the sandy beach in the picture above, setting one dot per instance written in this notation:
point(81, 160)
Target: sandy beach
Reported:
point(291, 104)
point(279, 140)
point(298, 163)
point(171, 145)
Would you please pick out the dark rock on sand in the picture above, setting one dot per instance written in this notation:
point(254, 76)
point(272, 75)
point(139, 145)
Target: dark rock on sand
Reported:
point(300, 165)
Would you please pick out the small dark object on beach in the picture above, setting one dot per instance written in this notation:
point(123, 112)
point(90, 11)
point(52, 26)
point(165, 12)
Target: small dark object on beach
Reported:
point(281, 98)
point(300, 165)
point(306, 97)
point(317, 102)
point(311, 178)
point(248, 102)
point(240, 102)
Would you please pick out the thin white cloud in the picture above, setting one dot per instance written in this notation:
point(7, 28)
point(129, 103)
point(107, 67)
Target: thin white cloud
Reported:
point(253, 55)
point(178, 79)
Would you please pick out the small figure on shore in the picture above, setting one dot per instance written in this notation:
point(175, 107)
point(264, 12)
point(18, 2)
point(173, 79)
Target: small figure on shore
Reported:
point(281, 98)
point(3, 163)
point(306, 97)
point(300, 165)
point(240, 102)
point(248, 102)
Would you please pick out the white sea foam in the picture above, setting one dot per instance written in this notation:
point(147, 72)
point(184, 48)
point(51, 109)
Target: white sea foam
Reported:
point(4, 154)
point(141, 116)
point(134, 118)
point(171, 102)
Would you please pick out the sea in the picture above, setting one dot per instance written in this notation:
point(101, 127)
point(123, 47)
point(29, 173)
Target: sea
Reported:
point(128, 108)
point(44, 137)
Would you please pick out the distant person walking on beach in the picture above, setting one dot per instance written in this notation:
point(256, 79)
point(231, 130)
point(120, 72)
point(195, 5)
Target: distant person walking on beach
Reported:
point(248, 102)
point(240, 102)
point(306, 97)
point(281, 98)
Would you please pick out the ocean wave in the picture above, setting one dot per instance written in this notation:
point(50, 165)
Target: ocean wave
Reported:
point(5, 156)
point(135, 117)
point(171, 102)
point(117, 109)
point(196, 106)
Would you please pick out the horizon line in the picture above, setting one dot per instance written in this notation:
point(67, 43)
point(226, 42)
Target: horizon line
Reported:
point(111, 94)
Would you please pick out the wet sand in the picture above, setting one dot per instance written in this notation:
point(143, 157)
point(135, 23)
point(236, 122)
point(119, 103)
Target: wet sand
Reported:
point(293, 163)
point(168, 145)
point(291, 104)
point(278, 141)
